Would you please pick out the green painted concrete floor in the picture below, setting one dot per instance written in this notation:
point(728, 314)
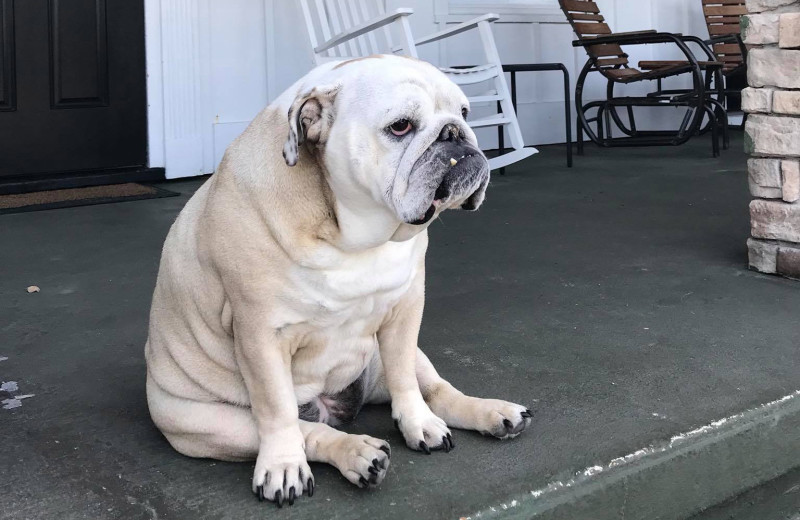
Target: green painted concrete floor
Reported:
point(777, 499)
point(612, 298)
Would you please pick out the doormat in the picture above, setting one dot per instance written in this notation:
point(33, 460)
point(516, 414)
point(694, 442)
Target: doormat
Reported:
point(67, 198)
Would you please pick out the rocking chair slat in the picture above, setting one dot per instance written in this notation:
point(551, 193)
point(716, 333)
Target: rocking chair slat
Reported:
point(365, 15)
point(657, 64)
point(724, 29)
point(583, 6)
point(585, 29)
point(727, 48)
point(354, 19)
point(322, 17)
point(332, 15)
point(605, 49)
point(724, 10)
point(622, 73)
point(604, 62)
point(484, 99)
point(724, 19)
point(493, 120)
point(346, 25)
point(587, 16)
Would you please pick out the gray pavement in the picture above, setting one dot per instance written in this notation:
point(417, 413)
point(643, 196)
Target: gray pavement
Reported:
point(612, 298)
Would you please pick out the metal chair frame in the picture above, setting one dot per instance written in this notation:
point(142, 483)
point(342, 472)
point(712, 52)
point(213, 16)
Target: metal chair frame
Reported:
point(607, 58)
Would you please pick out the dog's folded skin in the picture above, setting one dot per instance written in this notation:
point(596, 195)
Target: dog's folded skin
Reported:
point(291, 286)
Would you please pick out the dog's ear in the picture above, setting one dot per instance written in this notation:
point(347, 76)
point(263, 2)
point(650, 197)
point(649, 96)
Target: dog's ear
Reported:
point(310, 118)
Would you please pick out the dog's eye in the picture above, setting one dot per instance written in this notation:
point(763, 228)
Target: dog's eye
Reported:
point(401, 127)
point(464, 112)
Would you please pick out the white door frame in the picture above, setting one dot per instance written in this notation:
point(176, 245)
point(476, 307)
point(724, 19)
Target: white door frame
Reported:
point(180, 134)
point(180, 115)
point(155, 89)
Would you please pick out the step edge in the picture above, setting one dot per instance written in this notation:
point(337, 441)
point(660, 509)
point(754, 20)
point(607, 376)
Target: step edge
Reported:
point(621, 484)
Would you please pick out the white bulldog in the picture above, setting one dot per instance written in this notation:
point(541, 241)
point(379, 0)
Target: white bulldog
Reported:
point(291, 289)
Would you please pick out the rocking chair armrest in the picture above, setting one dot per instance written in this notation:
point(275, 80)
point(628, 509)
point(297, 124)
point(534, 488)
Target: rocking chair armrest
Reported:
point(724, 38)
point(631, 38)
point(729, 38)
point(628, 33)
point(363, 28)
point(702, 44)
point(643, 38)
point(456, 29)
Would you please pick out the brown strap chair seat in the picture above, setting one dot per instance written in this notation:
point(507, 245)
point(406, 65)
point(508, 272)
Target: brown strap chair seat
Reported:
point(632, 74)
point(658, 64)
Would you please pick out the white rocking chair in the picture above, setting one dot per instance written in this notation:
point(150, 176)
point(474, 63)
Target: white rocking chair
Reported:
point(349, 29)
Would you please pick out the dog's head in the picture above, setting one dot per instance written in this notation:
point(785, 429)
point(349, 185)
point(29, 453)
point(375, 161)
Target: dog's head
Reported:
point(390, 130)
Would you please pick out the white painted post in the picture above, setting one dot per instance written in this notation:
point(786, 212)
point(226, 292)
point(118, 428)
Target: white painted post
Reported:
point(408, 39)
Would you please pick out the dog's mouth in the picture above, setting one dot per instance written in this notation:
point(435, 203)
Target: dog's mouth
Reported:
point(431, 211)
point(458, 177)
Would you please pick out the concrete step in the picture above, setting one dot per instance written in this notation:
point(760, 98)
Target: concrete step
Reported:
point(777, 499)
point(691, 472)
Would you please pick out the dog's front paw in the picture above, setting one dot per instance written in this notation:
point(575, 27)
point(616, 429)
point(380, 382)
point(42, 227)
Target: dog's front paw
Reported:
point(500, 419)
point(421, 428)
point(363, 460)
point(282, 474)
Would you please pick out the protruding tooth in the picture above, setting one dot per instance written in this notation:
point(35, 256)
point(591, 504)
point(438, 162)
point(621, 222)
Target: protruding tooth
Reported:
point(453, 162)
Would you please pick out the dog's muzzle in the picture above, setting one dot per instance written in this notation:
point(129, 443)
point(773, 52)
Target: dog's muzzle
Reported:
point(456, 171)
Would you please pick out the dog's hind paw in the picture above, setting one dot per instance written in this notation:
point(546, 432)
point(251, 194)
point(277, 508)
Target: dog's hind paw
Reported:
point(501, 419)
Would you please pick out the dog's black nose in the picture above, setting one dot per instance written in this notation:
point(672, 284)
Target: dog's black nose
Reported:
point(450, 132)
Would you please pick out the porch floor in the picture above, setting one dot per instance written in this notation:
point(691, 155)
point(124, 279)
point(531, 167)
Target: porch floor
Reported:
point(612, 298)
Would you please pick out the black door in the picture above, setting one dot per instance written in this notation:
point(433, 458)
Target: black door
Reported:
point(72, 87)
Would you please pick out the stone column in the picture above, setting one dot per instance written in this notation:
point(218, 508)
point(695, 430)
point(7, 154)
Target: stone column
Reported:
point(771, 31)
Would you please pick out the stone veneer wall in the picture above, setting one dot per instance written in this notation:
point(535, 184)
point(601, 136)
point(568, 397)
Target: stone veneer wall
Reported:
point(772, 134)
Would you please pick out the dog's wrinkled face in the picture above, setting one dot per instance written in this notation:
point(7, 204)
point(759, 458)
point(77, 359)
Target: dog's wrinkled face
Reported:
point(392, 129)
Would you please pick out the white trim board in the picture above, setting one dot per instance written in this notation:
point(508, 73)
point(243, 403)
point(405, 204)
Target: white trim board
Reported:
point(448, 11)
point(155, 88)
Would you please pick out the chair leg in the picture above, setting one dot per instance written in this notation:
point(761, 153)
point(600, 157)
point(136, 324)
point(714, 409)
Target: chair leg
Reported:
point(714, 130)
point(631, 120)
point(579, 128)
point(726, 138)
point(501, 142)
point(721, 116)
point(600, 134)
point(567, 117)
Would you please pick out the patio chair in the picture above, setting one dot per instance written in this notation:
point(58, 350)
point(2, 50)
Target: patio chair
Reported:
point(607, 57)
point(345, 29)
point(724, 30)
